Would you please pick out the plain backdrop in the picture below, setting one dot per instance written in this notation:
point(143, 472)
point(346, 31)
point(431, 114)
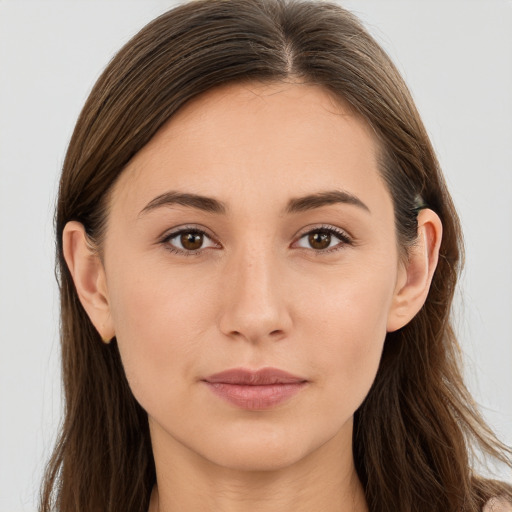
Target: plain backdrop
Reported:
point(457, 59)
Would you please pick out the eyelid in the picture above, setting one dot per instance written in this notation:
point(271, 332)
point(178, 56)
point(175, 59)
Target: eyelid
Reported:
point(327, 227)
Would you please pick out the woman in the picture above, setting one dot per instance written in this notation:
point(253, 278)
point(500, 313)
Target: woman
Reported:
point(253, 221)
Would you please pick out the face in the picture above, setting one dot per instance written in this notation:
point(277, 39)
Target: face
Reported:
point(253, 231)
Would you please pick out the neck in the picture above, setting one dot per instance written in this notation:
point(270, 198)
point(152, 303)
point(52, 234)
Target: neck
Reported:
point(323, 480)
point(351, 501)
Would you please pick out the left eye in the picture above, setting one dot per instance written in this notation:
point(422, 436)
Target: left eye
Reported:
point(189, 240)
point(322, 239)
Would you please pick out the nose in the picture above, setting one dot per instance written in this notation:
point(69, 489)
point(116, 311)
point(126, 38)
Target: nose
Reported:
point(254, 307)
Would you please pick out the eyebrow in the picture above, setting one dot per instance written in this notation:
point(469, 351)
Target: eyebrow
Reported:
point(320, 199)
point(295, 205)
point(206, 204)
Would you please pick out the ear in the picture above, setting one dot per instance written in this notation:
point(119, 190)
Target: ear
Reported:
point(415, 275)
point(89, 277)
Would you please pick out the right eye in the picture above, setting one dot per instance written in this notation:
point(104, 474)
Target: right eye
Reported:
point(188, 241)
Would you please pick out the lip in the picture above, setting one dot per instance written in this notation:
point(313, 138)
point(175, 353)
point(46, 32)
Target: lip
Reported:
point(262, 377)
point(255, 389)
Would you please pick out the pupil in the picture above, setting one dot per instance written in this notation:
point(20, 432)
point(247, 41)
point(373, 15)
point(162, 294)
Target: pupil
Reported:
point(320, 240)
point(191, 241)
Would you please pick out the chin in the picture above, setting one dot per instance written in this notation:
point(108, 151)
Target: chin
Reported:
point(257, 460)
point(259, 452)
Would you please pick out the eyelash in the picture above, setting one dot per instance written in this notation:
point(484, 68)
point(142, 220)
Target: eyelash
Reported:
point(344, 238)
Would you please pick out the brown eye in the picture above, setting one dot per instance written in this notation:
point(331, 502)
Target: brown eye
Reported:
point(325, 239)
point(191, 240)
point(188, 241)
point(319, 240)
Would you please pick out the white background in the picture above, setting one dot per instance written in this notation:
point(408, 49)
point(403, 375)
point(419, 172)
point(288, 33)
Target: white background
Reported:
point(455, 55)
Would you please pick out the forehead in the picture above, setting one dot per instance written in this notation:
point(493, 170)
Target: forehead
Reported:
point(245, 140)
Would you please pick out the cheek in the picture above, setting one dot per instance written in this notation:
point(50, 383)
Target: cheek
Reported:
point(160, 319)
point(348, 323)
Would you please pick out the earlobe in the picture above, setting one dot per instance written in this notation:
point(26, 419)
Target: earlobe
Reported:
point(416, 274)
point(89, 278)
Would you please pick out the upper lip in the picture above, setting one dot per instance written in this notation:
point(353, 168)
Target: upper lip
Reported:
point(264, 376)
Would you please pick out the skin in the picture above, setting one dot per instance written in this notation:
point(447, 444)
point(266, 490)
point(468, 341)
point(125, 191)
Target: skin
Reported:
point(256, 294)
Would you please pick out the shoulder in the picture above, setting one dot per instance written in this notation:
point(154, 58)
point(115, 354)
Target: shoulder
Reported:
point(498, 505)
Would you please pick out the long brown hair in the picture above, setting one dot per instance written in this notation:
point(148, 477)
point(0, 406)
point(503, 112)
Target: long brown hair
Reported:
point(415, 433)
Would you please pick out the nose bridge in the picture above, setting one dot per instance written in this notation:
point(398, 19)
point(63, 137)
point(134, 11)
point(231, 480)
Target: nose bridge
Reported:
point(254, 306)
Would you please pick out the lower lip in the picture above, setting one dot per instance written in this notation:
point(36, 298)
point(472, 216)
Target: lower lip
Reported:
point(255, 397)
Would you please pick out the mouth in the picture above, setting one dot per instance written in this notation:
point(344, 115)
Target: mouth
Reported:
point(255, 390)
